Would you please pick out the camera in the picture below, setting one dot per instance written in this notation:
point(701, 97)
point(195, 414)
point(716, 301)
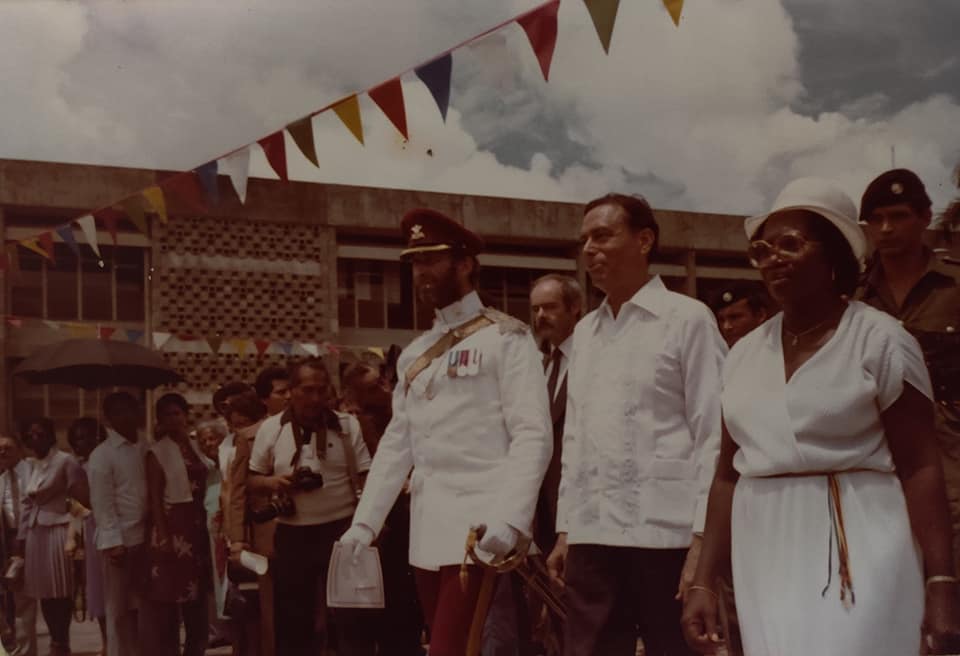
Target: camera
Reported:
point(305, 480)
point(278, 506)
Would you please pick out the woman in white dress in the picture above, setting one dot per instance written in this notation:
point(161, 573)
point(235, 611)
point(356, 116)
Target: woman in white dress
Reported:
point(828, 499)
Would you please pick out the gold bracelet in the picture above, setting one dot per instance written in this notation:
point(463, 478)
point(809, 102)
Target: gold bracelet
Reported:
point(705, 589)
point(940, 578)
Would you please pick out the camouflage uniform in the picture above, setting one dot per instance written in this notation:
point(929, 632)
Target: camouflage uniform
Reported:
point(931, 312)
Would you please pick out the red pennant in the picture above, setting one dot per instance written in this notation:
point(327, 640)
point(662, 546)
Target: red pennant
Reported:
point(46, 243)
point(276, 152)
point(262, 345)
point(110, 217)
point(186, 187)
point(105, 332)
point(541, 29)
point(15, 322)
point(389, 98)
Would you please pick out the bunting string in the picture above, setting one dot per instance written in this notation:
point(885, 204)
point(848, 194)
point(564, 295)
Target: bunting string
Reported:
point(198, 189)
point(166, 342)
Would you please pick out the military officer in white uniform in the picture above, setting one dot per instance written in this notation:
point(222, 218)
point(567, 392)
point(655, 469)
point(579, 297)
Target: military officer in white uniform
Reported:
point(471, 419)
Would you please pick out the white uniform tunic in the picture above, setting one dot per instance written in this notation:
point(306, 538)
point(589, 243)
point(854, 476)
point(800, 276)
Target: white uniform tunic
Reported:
point(826, 418)
point(475, 428)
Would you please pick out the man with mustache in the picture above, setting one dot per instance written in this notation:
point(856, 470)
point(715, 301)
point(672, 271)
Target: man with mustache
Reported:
point(910, 282)
point(471, 418)
point(640, 444)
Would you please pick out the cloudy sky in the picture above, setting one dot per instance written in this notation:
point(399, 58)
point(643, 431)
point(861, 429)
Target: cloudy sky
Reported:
point(714, 116)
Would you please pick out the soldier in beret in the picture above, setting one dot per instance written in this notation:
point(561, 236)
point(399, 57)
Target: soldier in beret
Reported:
point(740, 308)
point(472, 420)
point(907, 280)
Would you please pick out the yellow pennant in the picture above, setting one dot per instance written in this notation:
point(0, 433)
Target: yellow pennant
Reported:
point(604, 14)
point(154, 196)
point(675, 7)
point(349, 112)
point(34, 245)
point(134, 210)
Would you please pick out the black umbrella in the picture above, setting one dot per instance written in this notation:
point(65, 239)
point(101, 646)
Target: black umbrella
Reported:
point(95, 363)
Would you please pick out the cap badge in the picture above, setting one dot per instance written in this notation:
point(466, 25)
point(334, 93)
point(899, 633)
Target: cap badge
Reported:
point(896, 188)
point(727, 297)
point(416, 232)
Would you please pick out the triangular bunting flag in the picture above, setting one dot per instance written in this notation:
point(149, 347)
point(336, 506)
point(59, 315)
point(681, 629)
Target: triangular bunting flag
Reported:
point(134, 336)
point(286, 347)
point(34, 245)
point(310, 348)
point(89, 228)
point(208, 180)
point(377, 351)
point(66, 234)
point(110, 218)
point(160, 339)
point(214, 343)
point(331, 349)
point(389, 98)
point(186, 187)
point(349, 112)
point(675, 7)
point(237, 167)
point(302, 133)
point(604, 14)
point(105, 332)
point(15, 322)
point(276, 152)
point(81, 331)
point(436, 75)
point(262, 345)
point(52, 325)
point(240, 345)
point(541, 29)
point(46, 243)
point(154, 196)
point(134, 209)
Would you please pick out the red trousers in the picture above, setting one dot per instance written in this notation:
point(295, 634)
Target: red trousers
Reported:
point(447, 609)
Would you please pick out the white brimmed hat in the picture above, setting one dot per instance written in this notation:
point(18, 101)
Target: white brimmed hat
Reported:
point(823, 198)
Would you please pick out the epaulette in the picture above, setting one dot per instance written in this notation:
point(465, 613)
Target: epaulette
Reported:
point(505, 322)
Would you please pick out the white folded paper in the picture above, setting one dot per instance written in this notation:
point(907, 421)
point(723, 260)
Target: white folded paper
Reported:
point(354, 584)
point(254, 562)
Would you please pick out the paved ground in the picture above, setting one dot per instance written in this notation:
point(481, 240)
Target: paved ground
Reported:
point(85, 640)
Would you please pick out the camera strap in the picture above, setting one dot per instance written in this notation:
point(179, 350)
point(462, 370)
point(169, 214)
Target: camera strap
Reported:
point(351, 457)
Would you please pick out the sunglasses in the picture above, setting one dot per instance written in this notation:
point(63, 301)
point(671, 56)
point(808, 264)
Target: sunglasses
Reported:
point(789, 245)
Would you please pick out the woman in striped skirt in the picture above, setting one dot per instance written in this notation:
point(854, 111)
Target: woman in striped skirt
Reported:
point(44, 524)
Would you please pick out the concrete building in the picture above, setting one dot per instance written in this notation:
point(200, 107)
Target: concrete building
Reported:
point(299, 262)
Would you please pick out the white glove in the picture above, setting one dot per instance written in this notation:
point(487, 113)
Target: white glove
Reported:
point(358, 537)
point(498, 538)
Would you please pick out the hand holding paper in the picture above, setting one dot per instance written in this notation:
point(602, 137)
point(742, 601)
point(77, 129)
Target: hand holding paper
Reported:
point(357, 538)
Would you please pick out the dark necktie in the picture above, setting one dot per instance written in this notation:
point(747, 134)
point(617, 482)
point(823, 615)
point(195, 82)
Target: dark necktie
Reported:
point(555, 358)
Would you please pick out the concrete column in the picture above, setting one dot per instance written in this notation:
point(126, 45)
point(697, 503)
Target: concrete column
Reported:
point(7, 394)
point(690, 262)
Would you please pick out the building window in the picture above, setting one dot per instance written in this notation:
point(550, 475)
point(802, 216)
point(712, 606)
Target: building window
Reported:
point(379, 294)
point(72, 288)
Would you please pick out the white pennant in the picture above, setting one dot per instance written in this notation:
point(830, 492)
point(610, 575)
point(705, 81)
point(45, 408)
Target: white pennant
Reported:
point(89, 228)
point(160, 340)
point(237, 166)
point(312, 349)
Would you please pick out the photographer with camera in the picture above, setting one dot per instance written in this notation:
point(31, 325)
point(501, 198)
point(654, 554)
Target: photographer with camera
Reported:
point(311, 460)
